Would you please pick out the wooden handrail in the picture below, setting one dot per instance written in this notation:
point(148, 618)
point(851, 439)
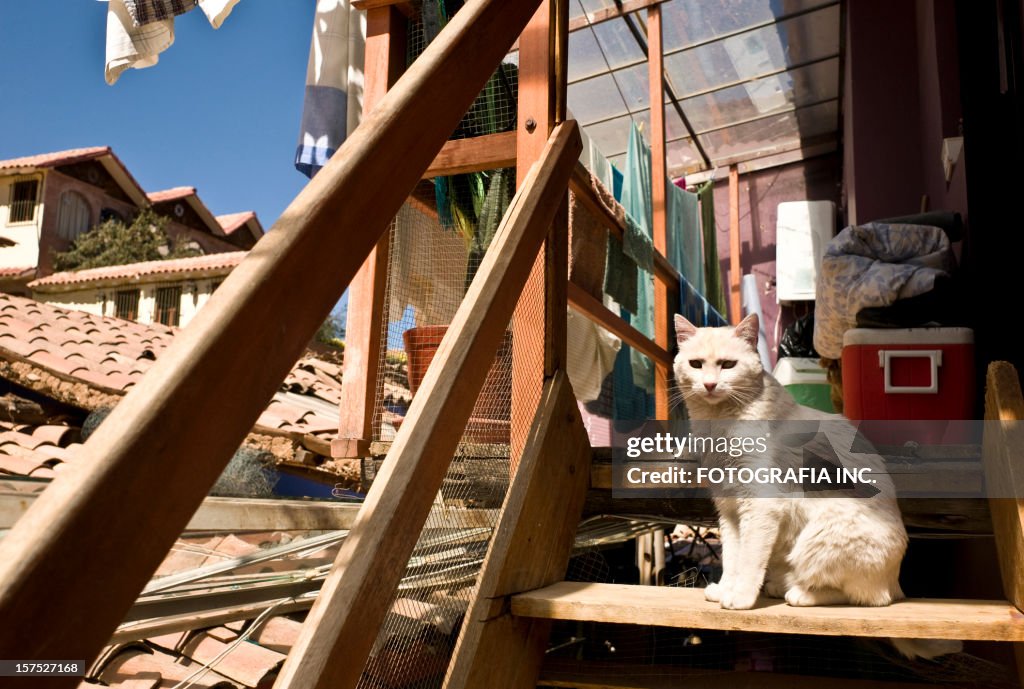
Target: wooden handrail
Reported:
point(93, 539)
point(581, 300)
point(336, 638)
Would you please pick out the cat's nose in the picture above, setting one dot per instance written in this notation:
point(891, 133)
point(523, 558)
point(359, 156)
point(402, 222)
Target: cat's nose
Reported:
point(710, 386)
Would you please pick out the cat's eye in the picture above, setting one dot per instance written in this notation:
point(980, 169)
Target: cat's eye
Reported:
point(696, 363)
point(727, 363)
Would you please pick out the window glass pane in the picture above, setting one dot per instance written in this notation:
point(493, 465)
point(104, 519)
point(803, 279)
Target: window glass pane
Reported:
point(755, 53)
point(73, 216)
point(810, 84)
point(680, 157)
point(618, 43)
point(688, 21)
point(126, 304)
point(168, 305)
point(586, 59)
point(611, 137)
point(595, 99)
point(768, 135)
point(635, 86)
point(23, 201)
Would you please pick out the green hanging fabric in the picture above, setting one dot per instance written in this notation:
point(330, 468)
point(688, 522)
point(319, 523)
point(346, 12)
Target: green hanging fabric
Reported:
point(636, 199)
point(684, 235)
point(713, 291)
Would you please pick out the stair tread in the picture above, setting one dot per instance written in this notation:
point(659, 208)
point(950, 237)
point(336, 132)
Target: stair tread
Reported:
point(991, 620)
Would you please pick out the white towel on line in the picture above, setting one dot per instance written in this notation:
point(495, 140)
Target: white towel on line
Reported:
point(131, 46)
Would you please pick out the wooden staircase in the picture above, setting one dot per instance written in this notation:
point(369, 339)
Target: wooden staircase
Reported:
point(515, 622)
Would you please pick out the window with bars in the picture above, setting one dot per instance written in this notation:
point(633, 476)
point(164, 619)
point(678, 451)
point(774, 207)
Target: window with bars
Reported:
point(168, 306)
point(23, 201)
point(126, 304)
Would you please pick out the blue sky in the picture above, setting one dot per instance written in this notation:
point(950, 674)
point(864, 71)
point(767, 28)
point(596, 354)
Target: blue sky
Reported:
point(220, 111)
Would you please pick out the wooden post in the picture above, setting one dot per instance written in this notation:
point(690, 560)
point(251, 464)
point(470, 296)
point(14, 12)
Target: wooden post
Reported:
point(1002, 445)
point(384, 64)
point(659, 210)
point(538, 326)
point(107, 522)
point(530, 549)
point(735, 304)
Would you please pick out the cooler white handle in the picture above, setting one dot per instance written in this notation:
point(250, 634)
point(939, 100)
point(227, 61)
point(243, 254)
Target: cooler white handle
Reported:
point(933, 355)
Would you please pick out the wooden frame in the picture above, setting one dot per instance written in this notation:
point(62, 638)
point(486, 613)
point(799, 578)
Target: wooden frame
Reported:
point(333, 646)
point(161, 449)
point(384, 64)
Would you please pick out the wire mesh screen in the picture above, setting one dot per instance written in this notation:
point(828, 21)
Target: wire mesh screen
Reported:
point(495, 108)
point(435, 254)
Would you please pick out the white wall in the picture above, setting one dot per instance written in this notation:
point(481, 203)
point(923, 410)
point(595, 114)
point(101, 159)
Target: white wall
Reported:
point(25, 252)
point(194, 295)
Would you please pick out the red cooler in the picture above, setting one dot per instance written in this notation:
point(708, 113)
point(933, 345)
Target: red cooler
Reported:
point(907, 374)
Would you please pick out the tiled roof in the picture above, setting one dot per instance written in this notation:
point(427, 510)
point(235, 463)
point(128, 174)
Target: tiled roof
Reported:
point(232, 221)
point(16, 272)
point(109, 355)
point(170, 194)
point(74, 155)
point(213, 264)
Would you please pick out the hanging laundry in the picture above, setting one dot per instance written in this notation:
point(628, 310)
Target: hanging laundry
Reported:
point(333, 103)
point(636, 199)
point(712, 266)
point(684, 235)
point(588, 247)
point(149, 11)
point(620, 275)
point(696, 309)
point(638, 245)
point(591, 352)
point(138, 45)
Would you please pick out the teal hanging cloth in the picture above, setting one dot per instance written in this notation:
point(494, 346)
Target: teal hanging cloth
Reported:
point(684, 234)
point(636, 199)
point(712, 267)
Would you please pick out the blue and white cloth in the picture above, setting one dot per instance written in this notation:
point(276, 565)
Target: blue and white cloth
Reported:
point(333, 103)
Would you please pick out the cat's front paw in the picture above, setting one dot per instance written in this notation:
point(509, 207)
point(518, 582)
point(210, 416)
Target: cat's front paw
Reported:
point(713, 592)
point(739, 600)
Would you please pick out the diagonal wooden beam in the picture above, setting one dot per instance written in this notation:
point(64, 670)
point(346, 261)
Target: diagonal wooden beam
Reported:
point(93, 539)
point(530, 548)
point(340, 630)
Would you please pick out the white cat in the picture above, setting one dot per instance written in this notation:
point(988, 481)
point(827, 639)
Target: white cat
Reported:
point(810, 551)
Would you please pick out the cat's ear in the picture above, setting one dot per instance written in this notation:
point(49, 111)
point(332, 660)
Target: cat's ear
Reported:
point(684, 329)
point(748, 330)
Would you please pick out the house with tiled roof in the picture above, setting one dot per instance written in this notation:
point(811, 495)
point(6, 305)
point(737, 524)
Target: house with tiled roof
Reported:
point(48, 200)
point(169, 292)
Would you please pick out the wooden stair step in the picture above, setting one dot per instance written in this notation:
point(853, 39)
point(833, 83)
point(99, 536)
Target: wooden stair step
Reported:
point(686, 608)
point(577, 674)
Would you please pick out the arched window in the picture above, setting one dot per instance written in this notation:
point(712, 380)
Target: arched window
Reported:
point(73, 217)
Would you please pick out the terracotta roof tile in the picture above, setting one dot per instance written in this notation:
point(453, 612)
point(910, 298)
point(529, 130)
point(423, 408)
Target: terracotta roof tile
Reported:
point(231, 222)
point(17, 272)
point(278, 634)
point(74, 155)
point(211, 264)
point(170, 194)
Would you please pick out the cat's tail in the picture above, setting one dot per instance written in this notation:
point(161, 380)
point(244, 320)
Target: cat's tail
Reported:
point(927, 648)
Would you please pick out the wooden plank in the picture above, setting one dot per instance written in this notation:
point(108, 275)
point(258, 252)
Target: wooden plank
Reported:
point(978, 620)
point(734, 246)
point(659, 211)
point(530, 548)
point(384, 63)
point(590, 674)
point(164, 445)
point(583, 302)
point(580, 185)
point(406, 7)
point(535, 118)
point(230, 514)
point(614, 12)
point(334, 644)
point(474, 154)
point(1002, 443)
